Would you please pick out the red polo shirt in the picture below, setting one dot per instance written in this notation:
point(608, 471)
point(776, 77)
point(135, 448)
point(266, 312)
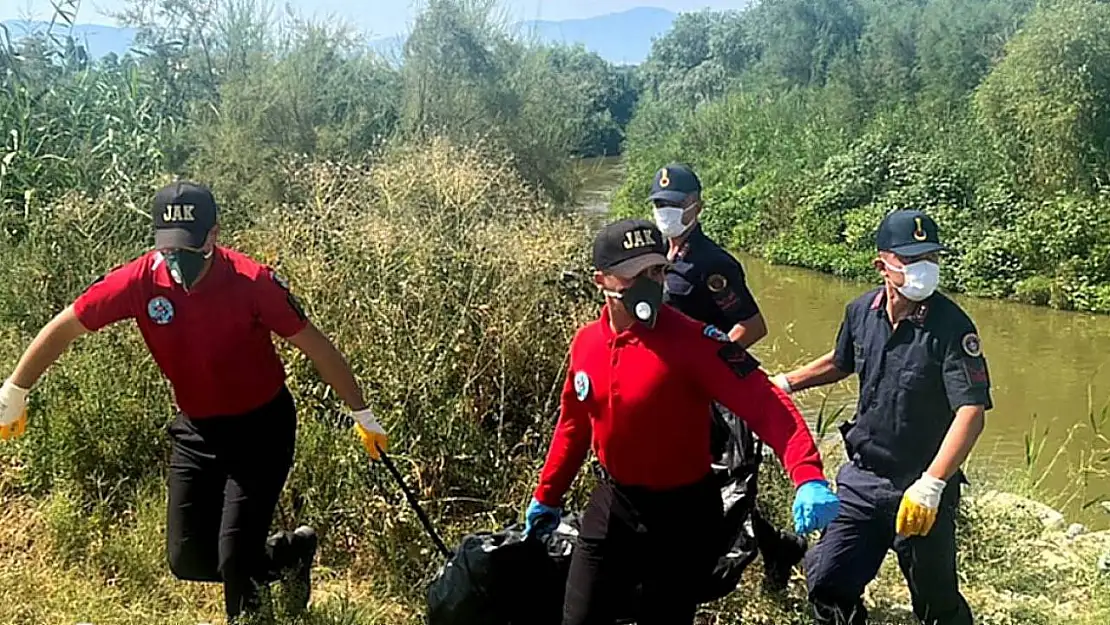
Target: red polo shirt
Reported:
point(643, 399)
point(213, 343)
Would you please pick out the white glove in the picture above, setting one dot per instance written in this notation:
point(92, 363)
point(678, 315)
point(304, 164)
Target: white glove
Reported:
point(13, 410)
point(781, 382)
point(918, 510)
point(370, 432)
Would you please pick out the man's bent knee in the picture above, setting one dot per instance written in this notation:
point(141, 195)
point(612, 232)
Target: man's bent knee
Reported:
point(190, 564)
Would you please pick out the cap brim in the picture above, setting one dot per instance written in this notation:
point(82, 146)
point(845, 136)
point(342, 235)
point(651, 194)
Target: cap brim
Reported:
point(179, 238)
point(635, 266)
point(917, 249)
point(677, 197)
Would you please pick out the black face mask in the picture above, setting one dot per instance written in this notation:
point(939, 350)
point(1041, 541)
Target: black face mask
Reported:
point(185, 266)
point(642, 300)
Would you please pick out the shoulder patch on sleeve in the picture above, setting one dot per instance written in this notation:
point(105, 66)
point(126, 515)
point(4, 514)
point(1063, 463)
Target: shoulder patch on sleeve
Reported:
point(283, 284)
point(738, 359)
point(716, 283)
point(96, 281)
point(971, 344)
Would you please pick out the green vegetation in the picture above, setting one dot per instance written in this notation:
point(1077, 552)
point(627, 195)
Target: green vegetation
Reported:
point(809, 120)
point(416, 209)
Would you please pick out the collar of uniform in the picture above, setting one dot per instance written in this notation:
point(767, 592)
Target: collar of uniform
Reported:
point(918, 315)
point(163, 279)
point(633, 332)
point(696, 234)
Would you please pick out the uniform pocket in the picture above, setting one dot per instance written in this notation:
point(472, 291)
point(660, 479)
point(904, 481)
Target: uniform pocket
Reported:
point(859, 356)
point(913, 380)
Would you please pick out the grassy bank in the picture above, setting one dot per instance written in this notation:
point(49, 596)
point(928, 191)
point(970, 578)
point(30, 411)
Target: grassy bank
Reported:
point(1013, 571)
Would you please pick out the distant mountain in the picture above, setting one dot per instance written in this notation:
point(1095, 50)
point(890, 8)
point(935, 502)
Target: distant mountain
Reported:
point(623, 38)
point(99, 40)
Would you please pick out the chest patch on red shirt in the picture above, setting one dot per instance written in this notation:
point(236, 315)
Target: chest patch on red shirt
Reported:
point(160, 310)
point(581, 385)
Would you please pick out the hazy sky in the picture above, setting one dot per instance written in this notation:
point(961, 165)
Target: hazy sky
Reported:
point(387, 17)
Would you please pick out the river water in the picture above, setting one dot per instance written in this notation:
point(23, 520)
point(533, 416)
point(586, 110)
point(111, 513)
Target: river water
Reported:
point(1049, 370)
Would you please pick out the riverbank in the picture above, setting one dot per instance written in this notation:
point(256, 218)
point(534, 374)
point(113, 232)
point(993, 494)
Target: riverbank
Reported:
point(978, 113)
point(1047, 432)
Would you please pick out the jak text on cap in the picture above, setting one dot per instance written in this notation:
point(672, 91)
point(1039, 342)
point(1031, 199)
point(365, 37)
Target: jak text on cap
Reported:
point(627, 247)
point(183, 214)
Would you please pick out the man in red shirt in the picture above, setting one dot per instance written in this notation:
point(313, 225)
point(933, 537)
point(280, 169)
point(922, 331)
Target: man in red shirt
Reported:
point(207, 313)
point(640, 384)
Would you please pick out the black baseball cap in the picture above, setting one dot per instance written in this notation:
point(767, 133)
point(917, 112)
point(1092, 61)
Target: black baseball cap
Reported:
point(627, 247)
point(183, 214)
point(674, 183)
point(908, 233)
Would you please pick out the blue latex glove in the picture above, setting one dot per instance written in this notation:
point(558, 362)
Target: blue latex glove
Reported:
point(815, 506)
point(540, 519)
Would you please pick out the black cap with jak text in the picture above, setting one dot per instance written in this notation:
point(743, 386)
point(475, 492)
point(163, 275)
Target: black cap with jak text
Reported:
point(908, 233)
point(627, 247)
point(183, 214)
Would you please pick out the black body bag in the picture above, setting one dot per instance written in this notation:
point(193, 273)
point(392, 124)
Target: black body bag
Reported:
point(501, 578)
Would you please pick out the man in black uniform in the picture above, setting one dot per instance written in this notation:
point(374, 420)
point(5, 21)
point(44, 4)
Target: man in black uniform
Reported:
point(707, 284)
point(924, 389)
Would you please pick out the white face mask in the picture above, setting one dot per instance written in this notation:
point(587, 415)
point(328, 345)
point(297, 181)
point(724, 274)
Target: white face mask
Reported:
point(921, 279)
point(669, 221)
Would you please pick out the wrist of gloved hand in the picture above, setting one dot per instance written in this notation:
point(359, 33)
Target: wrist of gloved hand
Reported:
point(927, 490)
point(783, 384)
point(370, 432)
point(541, 518)
point(13, 400)
point(815, 506)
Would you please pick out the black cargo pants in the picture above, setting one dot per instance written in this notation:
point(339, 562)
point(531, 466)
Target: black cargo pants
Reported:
point(225, 478)
point(663, 541)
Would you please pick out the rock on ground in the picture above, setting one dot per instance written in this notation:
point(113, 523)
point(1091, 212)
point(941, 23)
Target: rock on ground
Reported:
point(1050, 518)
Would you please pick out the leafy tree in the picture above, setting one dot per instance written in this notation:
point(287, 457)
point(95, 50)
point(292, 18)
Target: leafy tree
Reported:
point(1046, 105)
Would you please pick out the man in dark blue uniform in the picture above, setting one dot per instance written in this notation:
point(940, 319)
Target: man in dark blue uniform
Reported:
point(924, 389)
point(707, 283)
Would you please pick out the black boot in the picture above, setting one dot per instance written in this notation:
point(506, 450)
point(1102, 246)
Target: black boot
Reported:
point(292, 554)
point(781, 551)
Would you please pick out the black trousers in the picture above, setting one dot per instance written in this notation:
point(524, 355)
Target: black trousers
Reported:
point(851, 551)
point(225, 477)
point(663, 541)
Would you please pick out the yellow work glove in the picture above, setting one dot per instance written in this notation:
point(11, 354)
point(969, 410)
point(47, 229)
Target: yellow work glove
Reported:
point(370, 432)
point(918, 510)
point(13, 410)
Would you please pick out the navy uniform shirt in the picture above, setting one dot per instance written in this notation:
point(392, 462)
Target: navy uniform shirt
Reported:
point(912, 380)
point(708, 284)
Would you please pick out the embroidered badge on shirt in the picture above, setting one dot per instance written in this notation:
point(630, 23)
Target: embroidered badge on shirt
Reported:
point(160, 310)
point(972, 346)
point(581, 385)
